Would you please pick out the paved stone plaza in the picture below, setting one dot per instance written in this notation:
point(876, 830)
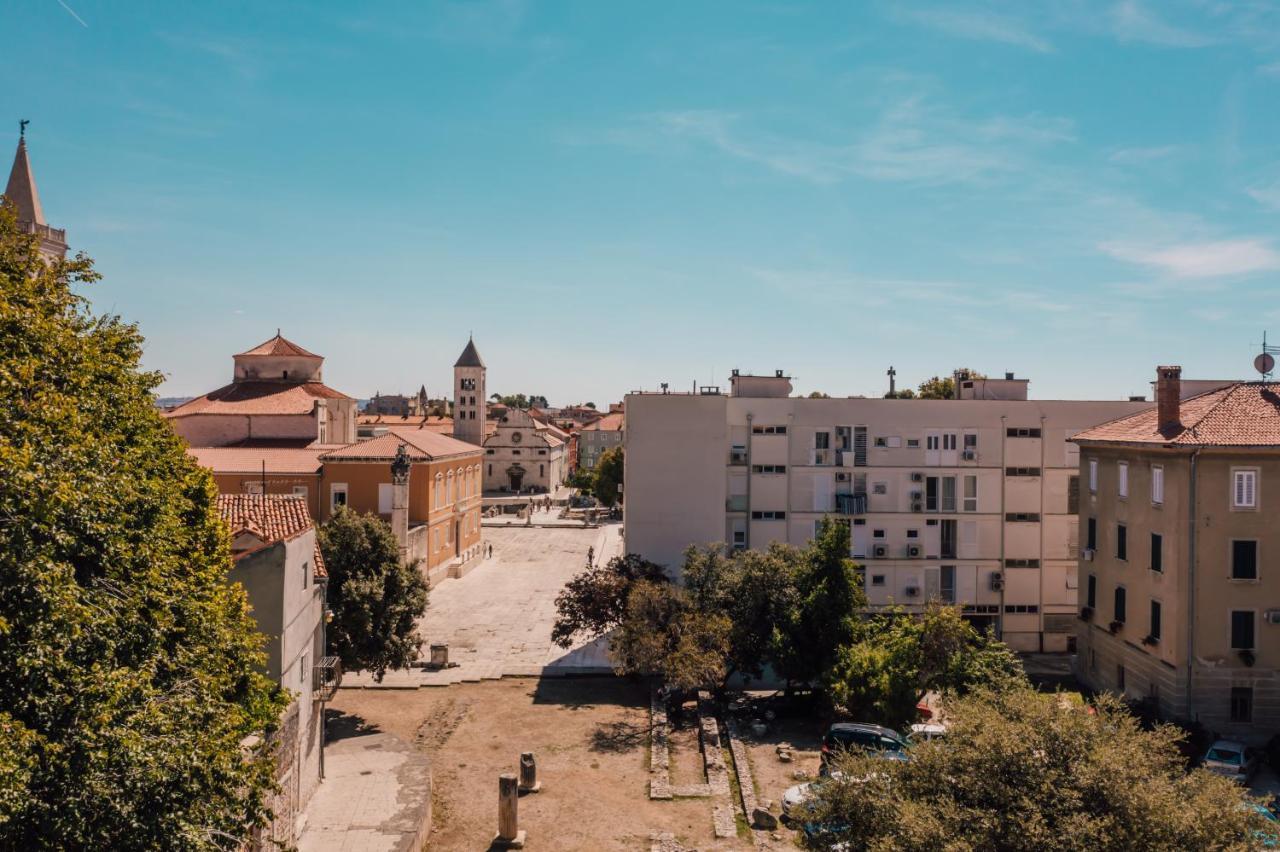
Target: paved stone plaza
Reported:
point(497, 619)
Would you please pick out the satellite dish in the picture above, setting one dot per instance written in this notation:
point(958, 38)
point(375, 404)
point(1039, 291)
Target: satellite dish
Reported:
point(1264, 363)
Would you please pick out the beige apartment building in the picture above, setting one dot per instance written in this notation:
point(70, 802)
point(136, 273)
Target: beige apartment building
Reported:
point(968, 500)
point(1178, 535)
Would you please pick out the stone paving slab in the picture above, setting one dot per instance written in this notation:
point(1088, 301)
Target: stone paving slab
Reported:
point(497, 619)
point(375, 797)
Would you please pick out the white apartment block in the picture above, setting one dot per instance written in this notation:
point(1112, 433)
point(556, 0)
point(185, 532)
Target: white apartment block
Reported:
point(971, 501)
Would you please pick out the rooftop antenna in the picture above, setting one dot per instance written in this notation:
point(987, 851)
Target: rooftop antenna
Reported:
point(1265, 363)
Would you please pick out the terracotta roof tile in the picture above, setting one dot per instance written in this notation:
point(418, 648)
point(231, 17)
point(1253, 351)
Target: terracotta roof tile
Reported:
point(273, 517)
point(258, 398)
point(279, 346)
point(421, 444)
point(277, 460)
point(1244, 414)
point(608, 423)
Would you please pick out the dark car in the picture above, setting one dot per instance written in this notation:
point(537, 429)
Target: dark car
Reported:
point(847, 736)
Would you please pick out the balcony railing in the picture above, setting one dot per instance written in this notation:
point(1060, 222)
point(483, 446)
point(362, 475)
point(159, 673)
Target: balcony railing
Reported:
point(851, 504)
point(326, 677)
point(822, 457)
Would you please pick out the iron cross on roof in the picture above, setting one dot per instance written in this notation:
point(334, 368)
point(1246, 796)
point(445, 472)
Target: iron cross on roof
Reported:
point(22, 128)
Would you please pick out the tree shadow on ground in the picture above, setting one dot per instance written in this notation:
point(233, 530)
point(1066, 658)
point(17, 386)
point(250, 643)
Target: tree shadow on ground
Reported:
point(340, 726)
point(619, 737)
point(584, 692)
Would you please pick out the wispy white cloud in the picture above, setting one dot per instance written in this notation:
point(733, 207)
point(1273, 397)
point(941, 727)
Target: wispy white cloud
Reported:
point(1138, 156)
point(1268, 195)
point(1131, 20)
point(1271, 69)
point(978, 25)
point(911, 139)
point(1200, 260)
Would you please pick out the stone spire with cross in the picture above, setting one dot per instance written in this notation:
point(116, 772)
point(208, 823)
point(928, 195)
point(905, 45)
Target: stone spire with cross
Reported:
point(21, 192)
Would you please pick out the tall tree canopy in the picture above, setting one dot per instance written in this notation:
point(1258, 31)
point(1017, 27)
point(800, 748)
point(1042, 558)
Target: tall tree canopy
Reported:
point(1020, 770)
point(606, 480)
point(376, 597)
point(131, 667)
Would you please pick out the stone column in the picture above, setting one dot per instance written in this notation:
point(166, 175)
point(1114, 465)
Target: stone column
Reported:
point(509, 834)
point(400, 500)
point(529, 782)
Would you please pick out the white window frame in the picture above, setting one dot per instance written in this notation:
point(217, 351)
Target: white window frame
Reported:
point(1244, 488)
point(1093, 476)
point(334, 490)
point(1122, 479)
point(969, 504)
point(1157, 485)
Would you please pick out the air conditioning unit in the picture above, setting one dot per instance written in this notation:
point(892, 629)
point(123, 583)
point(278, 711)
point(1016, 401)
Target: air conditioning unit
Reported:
point(1087, 553)
point(842, 476)
point(912, 591)
point(917, 506)
point(914, 551)
point(880, 551)
point(917, 477)
point(997, 581)
point(1272, 616)
point(969, 455)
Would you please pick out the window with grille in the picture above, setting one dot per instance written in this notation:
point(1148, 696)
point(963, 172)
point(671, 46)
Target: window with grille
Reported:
point(859, 446)
point(1242, 703)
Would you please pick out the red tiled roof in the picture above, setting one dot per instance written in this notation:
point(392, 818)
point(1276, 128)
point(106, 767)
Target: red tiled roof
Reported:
point(444, 425)
point(420, 444)
point(608, 423)
point(258, 398)
point(304, 460)
point(273, 517)
point(279, 346)
point(1245, 414)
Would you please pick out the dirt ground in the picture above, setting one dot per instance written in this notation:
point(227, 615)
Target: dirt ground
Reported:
point(591, 740)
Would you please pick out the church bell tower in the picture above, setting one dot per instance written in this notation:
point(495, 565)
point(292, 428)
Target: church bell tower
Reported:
point(469, 408)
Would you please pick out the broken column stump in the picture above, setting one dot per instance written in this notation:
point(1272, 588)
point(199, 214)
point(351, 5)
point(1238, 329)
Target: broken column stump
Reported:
point(529, 782)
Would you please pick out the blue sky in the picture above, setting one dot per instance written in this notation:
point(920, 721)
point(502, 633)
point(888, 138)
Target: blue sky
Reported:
point(612, 195)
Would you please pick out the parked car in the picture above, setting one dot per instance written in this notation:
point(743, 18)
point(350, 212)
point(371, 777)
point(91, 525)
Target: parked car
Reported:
point(1269, 837)
point(845, 736)
point(1232, 759)
point(924, 731)
point(796, 796)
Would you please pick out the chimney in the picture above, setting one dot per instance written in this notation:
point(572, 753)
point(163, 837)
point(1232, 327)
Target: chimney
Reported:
point(1168, 399)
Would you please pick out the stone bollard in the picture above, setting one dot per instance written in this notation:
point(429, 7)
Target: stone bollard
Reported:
point(529, 782)
point(509, 834)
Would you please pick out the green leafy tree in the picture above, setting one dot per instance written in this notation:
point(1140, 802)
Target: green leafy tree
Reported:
point(827, 599)
point(594, 602)
point(945, 388)
point(582, 479)
point(754, 590)
point(818, 395)
point(1020, 771)
point(898, 657)
point(376, 597)
point(663, 633)
point(131, 666)
point(903, 393)
point(606, 485)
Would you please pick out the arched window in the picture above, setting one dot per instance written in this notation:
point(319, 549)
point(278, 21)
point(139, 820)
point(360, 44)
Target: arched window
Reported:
point(439, 490)
point(450, 491)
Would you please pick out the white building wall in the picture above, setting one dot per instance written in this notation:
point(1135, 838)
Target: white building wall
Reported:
point(679, 474)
